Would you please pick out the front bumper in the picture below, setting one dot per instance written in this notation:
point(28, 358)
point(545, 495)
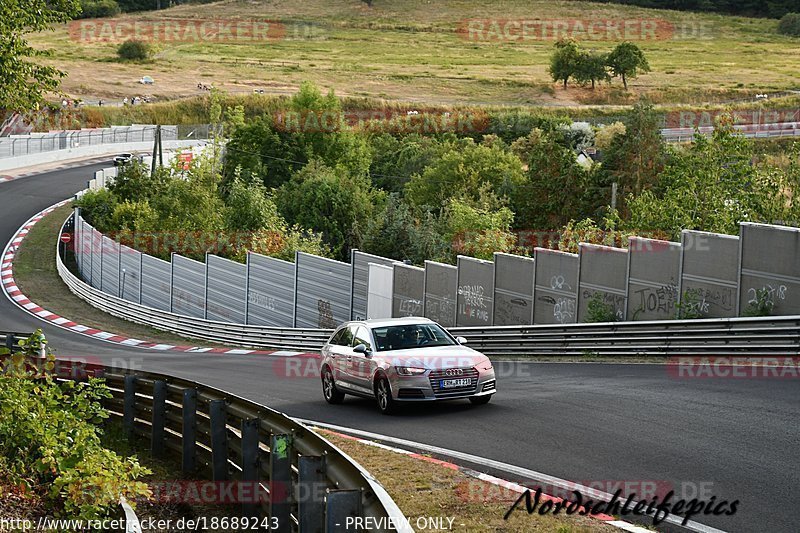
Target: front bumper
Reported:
point(427, 387)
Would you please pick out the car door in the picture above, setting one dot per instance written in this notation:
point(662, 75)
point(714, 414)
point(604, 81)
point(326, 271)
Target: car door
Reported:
point(361, 367)
point(339, 349)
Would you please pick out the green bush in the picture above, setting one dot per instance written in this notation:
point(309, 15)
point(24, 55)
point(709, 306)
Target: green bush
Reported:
point(98, 208)
point(790, 24)
point(91, 9)
point(50, 437)
point(134, 50)
point(598, 310)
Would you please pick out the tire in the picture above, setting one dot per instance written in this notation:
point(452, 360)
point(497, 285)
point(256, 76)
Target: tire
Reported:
point(329, 391)
point(383, 394)
point(480, 400)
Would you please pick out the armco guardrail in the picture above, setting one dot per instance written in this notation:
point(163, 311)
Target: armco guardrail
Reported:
point(279, 470)
point(762, 336)
point(222, 332)
point(724, 336)
point(10, 341)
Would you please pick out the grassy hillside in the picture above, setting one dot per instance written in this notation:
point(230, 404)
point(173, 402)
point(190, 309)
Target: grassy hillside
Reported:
point(411, 50)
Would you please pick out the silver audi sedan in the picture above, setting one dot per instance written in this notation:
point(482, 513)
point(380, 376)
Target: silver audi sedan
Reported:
point(403, 360)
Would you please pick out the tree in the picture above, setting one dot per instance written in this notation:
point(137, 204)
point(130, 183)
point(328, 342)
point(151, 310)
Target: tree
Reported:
point(273, 150)
point(329, 201)
point(554, 187)
point(401, 232)
point(134, 50)
point(636, 157)
point(396, 159)
point(591, 67)
point(713, 185)
point(790, 24)
point(627, 60)
point(564, 61)
point(462, 171)
point(478, 229)
point(24, 82)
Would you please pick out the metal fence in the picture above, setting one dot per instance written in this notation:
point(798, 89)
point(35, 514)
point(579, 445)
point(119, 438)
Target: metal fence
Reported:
point(37, 143)
point(278, 470)
point(707, 275)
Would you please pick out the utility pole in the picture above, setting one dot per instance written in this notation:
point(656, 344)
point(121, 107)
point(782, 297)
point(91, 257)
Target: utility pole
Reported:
point(614, 195)
point(157, 152)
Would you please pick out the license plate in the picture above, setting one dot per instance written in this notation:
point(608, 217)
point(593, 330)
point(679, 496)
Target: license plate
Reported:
point(454, 383)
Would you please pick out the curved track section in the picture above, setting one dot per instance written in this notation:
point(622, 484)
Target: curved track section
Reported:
point(589, 423)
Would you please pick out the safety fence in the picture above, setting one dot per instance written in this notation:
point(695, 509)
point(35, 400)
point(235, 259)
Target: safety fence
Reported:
point(282, 474)
point(719, 336)
point(706, 275)
point(37, 143)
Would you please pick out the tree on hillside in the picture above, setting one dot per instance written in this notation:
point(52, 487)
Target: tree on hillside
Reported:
point(627, 61)
point(591, 67)
point(24, 82)
point(564, 61)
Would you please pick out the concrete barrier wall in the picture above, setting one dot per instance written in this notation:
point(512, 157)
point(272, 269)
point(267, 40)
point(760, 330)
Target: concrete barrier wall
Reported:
point(709, 274)
point(556, 290)
point(603, 271)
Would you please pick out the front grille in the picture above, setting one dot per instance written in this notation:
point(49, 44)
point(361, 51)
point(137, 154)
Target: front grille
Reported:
point(410, 393)
point(437, 375)
point(489, 385)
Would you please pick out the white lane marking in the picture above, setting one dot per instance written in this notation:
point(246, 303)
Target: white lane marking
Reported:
point(524, 473)
point(286, 353)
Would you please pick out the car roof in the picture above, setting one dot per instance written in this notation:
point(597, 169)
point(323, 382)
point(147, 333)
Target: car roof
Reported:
point(380, 322)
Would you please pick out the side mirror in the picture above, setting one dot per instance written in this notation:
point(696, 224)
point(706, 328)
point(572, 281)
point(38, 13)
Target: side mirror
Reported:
point(461, 340)
point(363, 350)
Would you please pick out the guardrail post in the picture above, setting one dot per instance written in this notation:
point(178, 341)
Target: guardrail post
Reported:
point(189, 437)
point(129, 405)
point(310, 497)
point(219, 440)
point(159, 410)
point(339, 506)
point(280, 480)
point(10, 342)
point(250, 464)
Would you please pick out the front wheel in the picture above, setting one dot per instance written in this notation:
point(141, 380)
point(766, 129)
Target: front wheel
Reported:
point(329, 390)
point(480, 400)
point(383, 393)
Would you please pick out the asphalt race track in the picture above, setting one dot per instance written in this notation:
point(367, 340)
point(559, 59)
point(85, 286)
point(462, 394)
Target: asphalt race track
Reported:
point(729, 438)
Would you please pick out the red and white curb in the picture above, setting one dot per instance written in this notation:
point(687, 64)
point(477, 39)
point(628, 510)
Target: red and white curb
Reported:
point(23, 302)
point(379, 441)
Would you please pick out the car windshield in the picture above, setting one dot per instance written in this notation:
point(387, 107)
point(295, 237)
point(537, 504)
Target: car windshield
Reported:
point(403, 337)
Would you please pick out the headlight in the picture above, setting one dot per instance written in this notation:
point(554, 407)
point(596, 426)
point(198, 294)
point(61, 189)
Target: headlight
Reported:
point(485, 366)
point(409, 371)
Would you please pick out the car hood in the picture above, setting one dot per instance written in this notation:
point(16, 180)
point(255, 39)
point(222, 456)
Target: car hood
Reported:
point(436, 357)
